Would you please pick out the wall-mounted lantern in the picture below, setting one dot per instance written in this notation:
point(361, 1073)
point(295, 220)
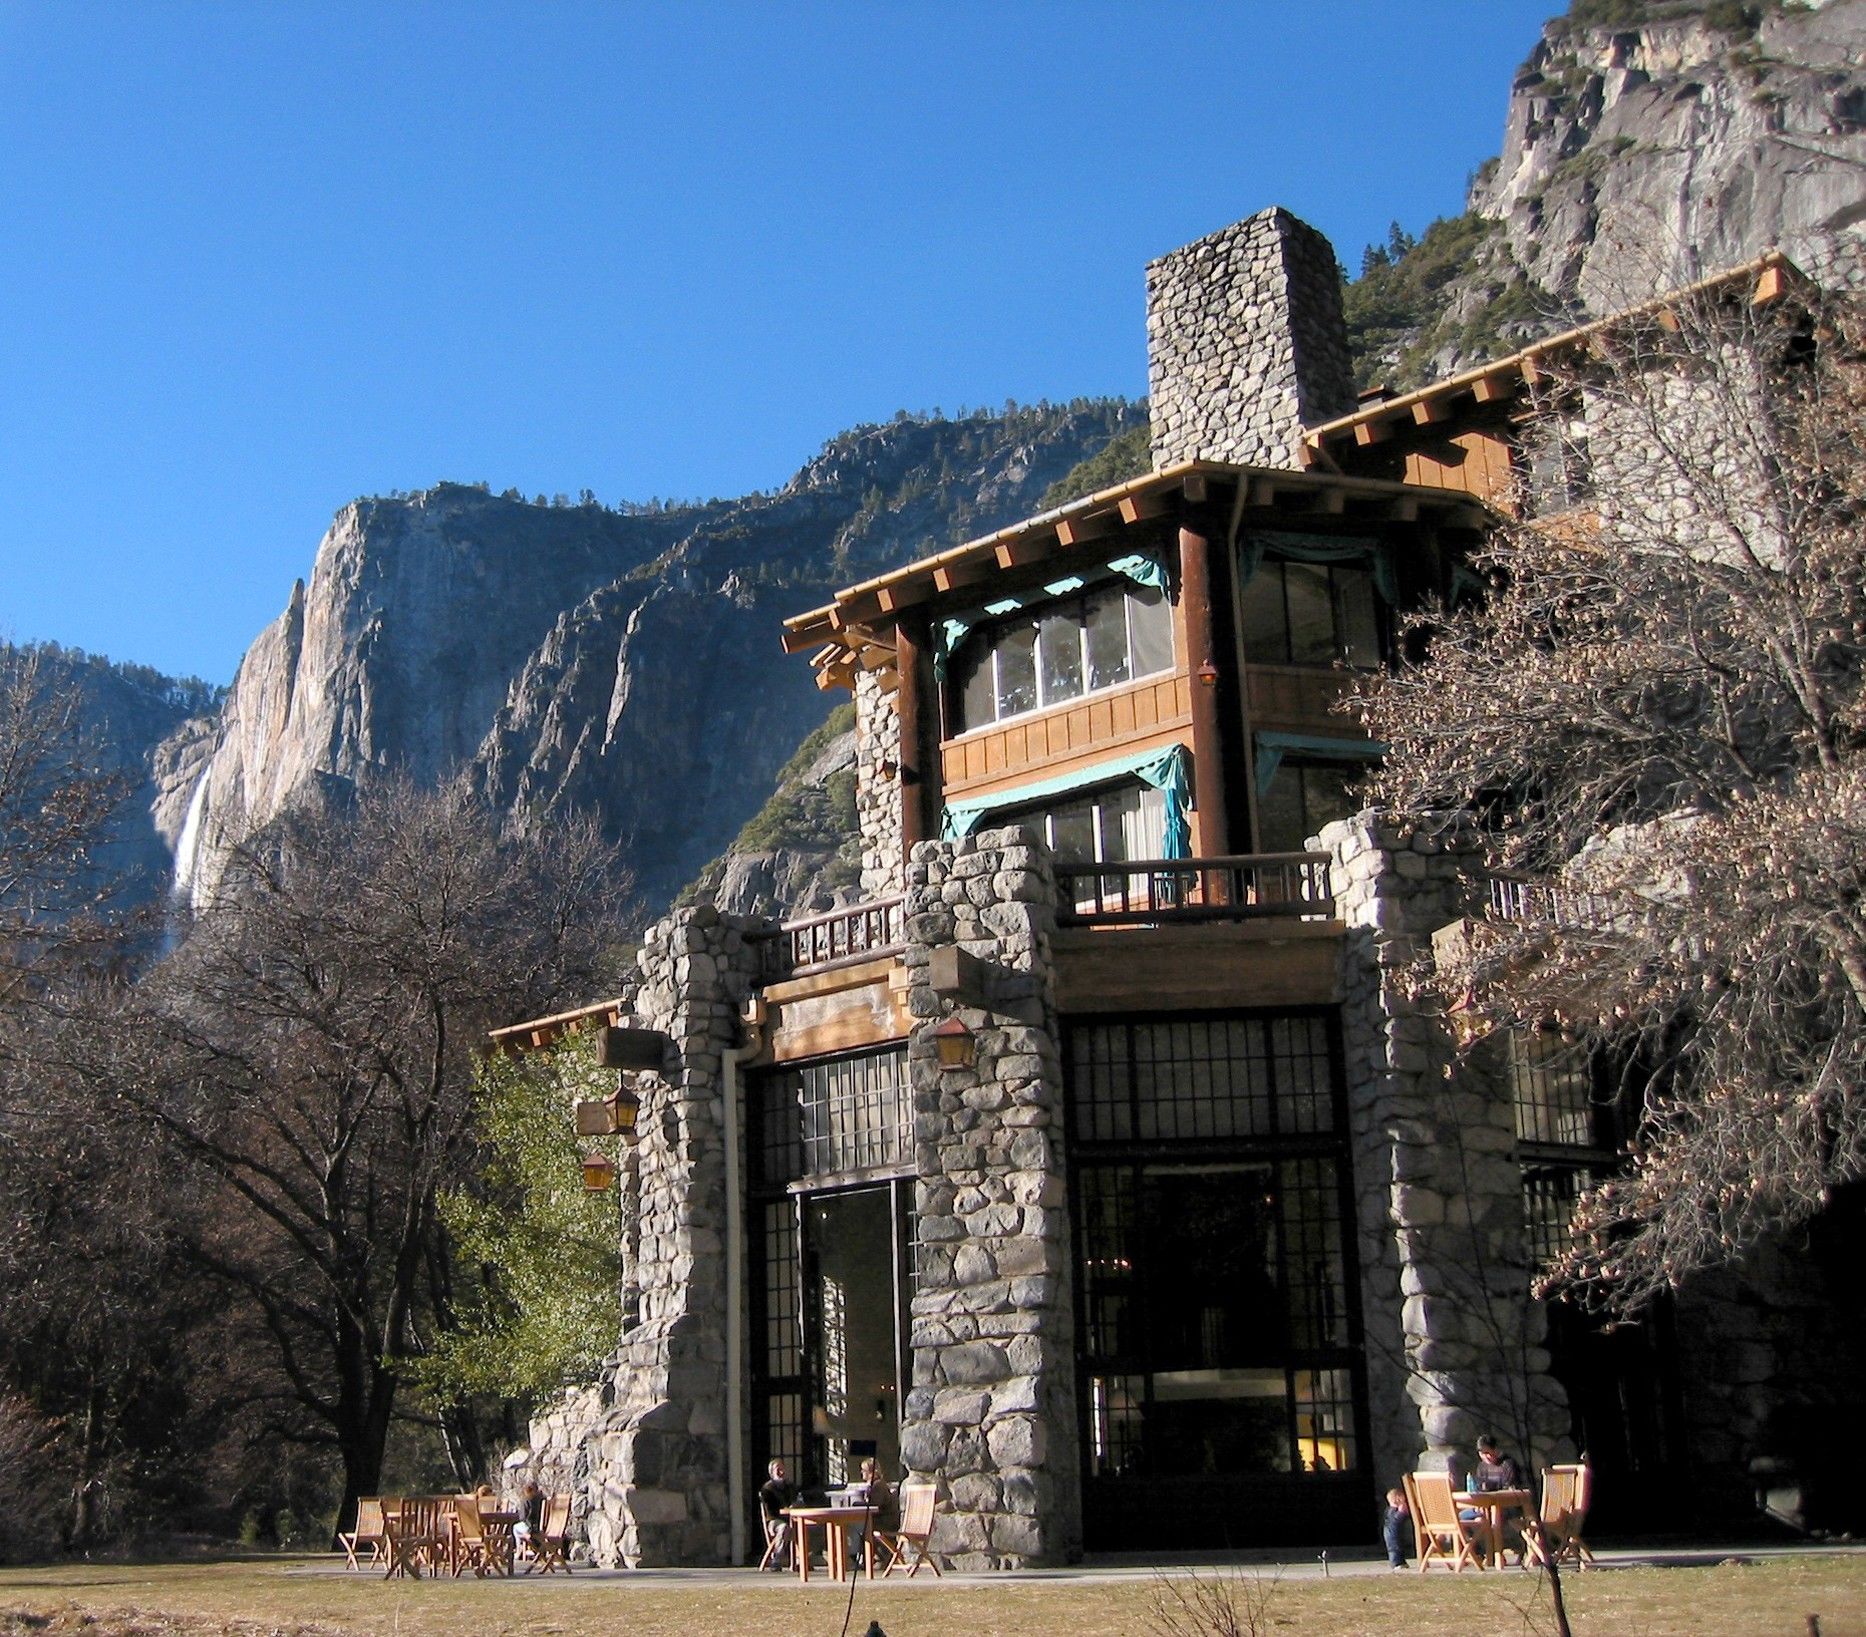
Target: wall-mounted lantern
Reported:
point(1208, 674)
point(599, 1173)
point(610, 1116)
point(957, 1045)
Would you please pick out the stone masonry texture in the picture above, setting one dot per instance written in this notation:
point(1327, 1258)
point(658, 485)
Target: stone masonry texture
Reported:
point(1454, 1340)
point(991, 1412)
point(1246, 343)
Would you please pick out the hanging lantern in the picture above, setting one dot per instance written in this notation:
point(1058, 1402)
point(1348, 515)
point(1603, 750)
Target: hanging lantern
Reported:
point(599, 1173)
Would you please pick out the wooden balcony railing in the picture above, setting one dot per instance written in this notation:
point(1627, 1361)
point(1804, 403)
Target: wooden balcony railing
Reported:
point(1521, 902)
point(1242, 887)
point(840, 937)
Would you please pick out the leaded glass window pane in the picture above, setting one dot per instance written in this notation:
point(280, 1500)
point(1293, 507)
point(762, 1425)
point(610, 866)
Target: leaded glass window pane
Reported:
point(1059, 643)
point(1108, 658)
point(1150, 627)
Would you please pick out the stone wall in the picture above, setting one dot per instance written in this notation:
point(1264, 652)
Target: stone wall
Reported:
point(1246, 343)
point(992, 1410)
point(655, 1479)
point(878, 792)
point(1454, 1342)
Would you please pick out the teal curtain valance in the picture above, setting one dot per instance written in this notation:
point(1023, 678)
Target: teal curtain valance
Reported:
point(1273, 747)
point(953, 630)
point(1256, 544)
point(1167, 771)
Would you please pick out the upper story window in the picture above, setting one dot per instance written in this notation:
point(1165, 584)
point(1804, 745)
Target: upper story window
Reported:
point(1296, 613)
point(1057, 651)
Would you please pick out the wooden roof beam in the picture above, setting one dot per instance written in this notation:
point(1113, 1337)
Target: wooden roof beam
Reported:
point(1139, 508)
point(902, 594)
point(1024, 550)
point(799, 637)
point(956, 576)
point(1494, 388)
point(1432, 411)
point(1079, 531)
point(1372, 432)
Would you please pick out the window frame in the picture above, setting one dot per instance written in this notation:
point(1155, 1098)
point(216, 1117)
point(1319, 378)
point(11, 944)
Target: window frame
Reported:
point(1382, 619)
point(1032, 616)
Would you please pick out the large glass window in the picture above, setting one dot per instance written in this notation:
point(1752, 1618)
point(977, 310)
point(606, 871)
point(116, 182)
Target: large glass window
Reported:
point(1310, 614)
point(1214, 1266)
point(841, 1115)
point(1058, 651)
point(1302, 797)
point(1106, 826)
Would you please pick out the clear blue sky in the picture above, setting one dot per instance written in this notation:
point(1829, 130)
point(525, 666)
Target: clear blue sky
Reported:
point(257, 258)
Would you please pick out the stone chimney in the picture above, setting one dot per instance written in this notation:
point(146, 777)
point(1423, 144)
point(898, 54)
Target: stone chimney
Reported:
point(1246, 344)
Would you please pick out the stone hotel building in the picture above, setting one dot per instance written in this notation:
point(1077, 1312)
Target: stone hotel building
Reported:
point(1096, 1165)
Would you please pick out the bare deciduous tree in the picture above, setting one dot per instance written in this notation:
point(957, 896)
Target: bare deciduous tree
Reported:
point(1659, 710)
point(305, 1057)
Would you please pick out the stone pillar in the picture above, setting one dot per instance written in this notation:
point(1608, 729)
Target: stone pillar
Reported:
point(1246, 344)
point(992, 1408)
point(1454, 1341)
point(655, 1487)
point(880, 797)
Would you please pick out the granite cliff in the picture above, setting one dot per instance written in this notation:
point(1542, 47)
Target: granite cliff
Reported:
point(1648, 143)
point(624, 662)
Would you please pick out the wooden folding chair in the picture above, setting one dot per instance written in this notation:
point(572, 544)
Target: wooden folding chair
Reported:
point(472, 1549)
point(416, 1536)
point(552, 1542)
point(367, 1535)
point(1567, 1492)
point(777, 1536)
point(1442, 1536)
point(919, 1502)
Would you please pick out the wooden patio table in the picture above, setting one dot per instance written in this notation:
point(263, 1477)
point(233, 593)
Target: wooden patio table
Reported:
point(835, 1520)
point(1493, 1506)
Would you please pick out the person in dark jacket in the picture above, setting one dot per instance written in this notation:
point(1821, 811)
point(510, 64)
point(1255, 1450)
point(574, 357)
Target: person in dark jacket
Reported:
point(774, 1494)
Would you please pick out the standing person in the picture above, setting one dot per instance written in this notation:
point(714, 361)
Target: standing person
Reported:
point(774, 1494)
point(1396, 1528)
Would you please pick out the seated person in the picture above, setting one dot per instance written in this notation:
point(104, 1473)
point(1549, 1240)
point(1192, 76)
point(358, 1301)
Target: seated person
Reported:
point(873, 1490)
point(530, 1520)
point(1495, 1471)
point(774, 1494)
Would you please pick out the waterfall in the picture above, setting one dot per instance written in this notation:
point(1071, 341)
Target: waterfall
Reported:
point(188, 843)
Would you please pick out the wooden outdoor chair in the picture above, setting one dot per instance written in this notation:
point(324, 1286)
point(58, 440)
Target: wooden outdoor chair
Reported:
point(473, 1547)
point(1567, 1491)
point(417, 1535)
point(777, 1541)
point(1442, 1536)
point(919, 1502)
point(551, 1543)
point(367, 1535)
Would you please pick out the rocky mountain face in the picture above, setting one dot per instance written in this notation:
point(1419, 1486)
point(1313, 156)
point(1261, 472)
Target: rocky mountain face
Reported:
point(131, 715)
point(1648, 143)
point(574, 657)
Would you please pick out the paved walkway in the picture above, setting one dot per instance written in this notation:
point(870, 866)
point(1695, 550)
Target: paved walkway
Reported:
point(1286, 1564)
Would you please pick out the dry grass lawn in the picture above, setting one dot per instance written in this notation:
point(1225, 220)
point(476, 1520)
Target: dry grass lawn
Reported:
point(266, 1598)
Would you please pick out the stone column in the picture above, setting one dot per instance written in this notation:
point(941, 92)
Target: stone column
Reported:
point(1454, 1341)
point(992, 1408)
point(655, 1489)
point(881, 797)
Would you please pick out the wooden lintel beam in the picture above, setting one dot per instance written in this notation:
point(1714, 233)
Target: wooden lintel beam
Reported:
point(1079, 531)
point(1331, 502)
point(1138, 508)
point(955, 576)
point(1431, 411)
point(1372, 432)
point(874, 658)
point(905, 594)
